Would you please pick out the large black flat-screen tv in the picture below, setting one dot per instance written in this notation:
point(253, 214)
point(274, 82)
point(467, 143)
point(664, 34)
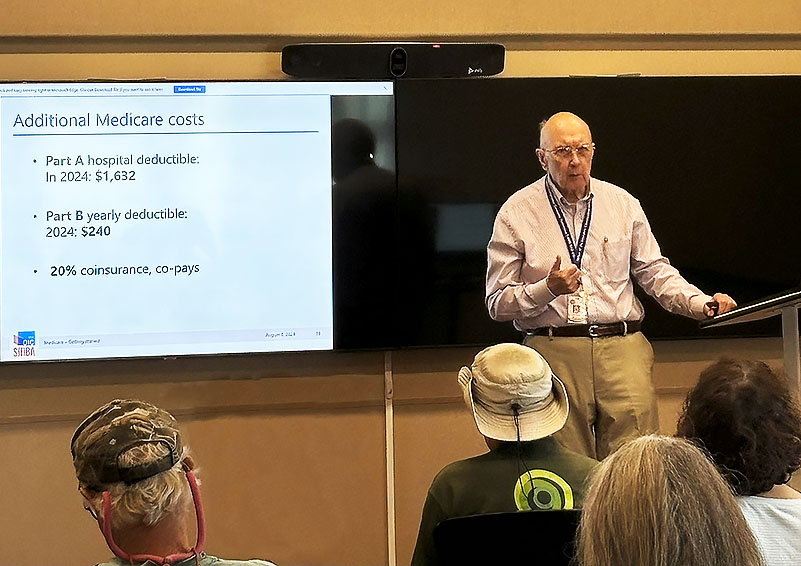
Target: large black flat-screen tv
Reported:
point(168, 219)
point(164, 219)
point(713, 160)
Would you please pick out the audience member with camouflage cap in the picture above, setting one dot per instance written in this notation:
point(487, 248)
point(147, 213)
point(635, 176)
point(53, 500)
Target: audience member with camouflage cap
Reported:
point(136, 478)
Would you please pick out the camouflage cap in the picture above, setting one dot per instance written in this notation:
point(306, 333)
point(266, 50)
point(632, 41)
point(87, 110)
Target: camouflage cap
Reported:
point(113, 429)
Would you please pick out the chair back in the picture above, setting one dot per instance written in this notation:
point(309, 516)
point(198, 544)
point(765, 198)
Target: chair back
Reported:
point(533, 538)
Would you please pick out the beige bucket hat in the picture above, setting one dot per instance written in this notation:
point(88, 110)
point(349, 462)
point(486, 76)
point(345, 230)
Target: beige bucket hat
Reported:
point(506, 377)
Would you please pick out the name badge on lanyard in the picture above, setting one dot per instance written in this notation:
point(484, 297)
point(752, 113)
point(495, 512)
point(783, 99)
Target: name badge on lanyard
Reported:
point(577, 311)
point(577, 307)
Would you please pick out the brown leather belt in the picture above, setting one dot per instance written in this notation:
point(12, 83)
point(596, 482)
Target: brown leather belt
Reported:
point(588, 330)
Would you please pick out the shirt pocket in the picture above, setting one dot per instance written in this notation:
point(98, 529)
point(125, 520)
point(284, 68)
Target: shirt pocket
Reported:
point(616, 258)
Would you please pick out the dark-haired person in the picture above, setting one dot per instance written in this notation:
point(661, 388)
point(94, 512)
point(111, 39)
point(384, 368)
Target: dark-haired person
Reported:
point(742, 413)
point(560, 264)
point(517, 404)
point(658, 501)
point(135, 475)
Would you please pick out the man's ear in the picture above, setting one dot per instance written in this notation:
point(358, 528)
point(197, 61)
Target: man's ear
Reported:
point(541, 159)
point(90, 497)
point(188, 463)
point(89, 494)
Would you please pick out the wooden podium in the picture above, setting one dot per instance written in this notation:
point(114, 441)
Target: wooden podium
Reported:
point(786, 304)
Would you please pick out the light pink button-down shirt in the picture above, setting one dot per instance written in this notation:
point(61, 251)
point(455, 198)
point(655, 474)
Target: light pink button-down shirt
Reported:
point(526, 240)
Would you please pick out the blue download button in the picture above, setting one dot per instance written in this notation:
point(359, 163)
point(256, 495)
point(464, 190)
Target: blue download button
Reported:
point(188, 88)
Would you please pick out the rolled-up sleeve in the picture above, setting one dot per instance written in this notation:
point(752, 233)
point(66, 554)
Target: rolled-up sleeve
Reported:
point(658, 277)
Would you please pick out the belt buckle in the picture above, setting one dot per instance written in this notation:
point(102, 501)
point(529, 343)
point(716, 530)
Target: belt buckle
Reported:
point(593, 331)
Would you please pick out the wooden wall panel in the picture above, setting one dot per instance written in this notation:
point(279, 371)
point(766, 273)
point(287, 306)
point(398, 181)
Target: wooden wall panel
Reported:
point(412, 18)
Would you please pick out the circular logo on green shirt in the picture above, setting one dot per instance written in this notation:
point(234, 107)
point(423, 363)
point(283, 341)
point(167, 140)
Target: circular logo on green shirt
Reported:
point(542, 490)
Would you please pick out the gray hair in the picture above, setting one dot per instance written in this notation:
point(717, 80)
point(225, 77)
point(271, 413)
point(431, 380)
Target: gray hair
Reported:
point(658, 501)
point(146, 502)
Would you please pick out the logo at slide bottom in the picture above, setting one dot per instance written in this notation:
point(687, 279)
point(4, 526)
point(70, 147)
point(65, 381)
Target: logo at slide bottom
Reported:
point(23, 344)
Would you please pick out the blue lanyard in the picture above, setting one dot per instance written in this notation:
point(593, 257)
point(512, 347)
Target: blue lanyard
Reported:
point(576, 250)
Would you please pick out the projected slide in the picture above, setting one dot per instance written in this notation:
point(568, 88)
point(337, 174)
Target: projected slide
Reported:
point(165, 219)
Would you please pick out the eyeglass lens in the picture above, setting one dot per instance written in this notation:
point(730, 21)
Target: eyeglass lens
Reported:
point(566, 151)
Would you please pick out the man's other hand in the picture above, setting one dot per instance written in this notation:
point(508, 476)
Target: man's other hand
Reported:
point(563, 281)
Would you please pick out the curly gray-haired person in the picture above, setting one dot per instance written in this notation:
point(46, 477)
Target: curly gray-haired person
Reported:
point(745, 416)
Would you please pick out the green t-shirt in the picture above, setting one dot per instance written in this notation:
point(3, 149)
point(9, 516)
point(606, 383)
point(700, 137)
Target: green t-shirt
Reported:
point(543, 476)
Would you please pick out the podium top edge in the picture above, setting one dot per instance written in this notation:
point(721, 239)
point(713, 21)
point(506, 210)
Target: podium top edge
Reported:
point(756, 310)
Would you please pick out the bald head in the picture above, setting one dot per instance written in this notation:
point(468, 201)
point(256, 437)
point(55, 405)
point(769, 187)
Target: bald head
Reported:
point(560, 124)
point(566, 152)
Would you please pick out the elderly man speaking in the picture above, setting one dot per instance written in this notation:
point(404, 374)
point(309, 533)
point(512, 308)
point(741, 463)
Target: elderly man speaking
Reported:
point(561, 260)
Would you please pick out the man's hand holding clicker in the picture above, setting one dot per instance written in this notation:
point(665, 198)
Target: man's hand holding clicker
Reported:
point(563, 281)
point(719, 304)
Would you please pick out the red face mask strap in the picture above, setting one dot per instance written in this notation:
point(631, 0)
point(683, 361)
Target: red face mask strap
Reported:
point(201, 517)
point(105, 527)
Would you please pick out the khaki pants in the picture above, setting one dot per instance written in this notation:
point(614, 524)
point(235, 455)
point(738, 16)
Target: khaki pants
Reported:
point(609, 389)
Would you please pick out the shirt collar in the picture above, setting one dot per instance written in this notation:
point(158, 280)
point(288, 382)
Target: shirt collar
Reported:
point(550, 185)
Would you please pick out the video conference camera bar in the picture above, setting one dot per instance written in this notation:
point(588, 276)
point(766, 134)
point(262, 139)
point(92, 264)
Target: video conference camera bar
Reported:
point(392, 60)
